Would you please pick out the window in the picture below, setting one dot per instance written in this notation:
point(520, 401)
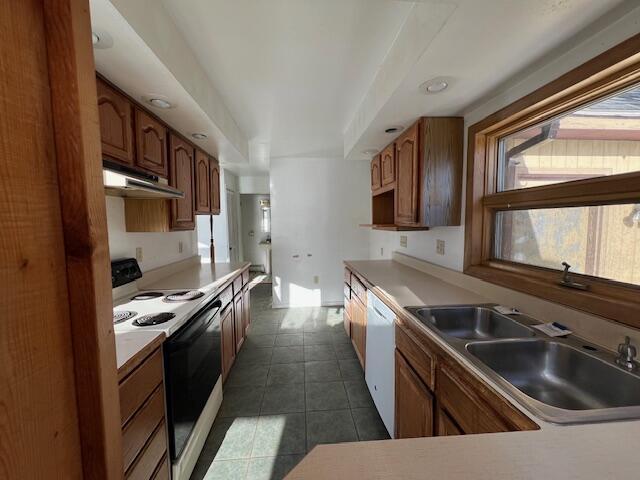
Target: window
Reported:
point(556, 178)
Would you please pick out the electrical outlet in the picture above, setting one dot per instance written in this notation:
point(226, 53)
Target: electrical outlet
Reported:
point(316, 279)
point(403, 241)
point(440, 247)
point(139, 254)
point(381, 252)
point(180, 246)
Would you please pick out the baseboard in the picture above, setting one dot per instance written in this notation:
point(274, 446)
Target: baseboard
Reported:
point(183, 468)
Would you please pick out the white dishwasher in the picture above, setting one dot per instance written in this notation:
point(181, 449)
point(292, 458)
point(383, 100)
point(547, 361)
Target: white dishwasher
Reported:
point(380, 359)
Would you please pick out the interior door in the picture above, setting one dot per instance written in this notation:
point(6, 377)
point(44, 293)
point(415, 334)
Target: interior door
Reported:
point(232, 225)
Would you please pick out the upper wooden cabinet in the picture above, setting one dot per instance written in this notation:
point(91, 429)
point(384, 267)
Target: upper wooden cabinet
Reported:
point(408, 175)
point(215, 186)
point(151, 144)
point(203, 183)
point(181, 176)
point(116, 124)
point(388, 165)
point(376, 178)
point(420, 177)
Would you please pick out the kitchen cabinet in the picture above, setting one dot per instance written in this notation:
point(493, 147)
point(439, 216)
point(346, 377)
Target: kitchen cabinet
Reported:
point(376, 178)
point(346, 312)
point(426, 375)
point(214, 167)
point(446, 425)
point(408, 177)
point(246, 309)
point(151, 144)
point(414, 403)
point(420, 177)
point(203, 183)
point(142, 411)
point(181, 173)
point(388, 165)
point(227, 334)
point(116, 125)
point(359, 328)
point(238, 321)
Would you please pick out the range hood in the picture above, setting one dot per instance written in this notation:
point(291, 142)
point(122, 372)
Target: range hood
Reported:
point(121, 181)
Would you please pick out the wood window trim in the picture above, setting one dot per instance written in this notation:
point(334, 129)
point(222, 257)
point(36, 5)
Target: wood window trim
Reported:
point(610, 71)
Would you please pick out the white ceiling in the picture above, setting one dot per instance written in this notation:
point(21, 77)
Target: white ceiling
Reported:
point(322, 78)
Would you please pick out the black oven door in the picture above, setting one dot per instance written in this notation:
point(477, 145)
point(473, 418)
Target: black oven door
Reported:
point(192, 366)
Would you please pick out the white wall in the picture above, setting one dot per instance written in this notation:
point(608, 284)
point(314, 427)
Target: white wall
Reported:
point(254, 184)
point(252, 234)
point(158, 249)
point(316, 207)
point(422, 245)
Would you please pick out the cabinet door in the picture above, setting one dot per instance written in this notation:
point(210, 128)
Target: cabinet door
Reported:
point(414, 403)
point(116, 124)
point(215, 186)
point(246, 308)
point(181, 165)
point(388, 165)
point(359, 328)
point(238, 318)
point(446, 425)
point(407, 177)
point(376, 179)
point(203, 183)
point(228, 342)
point(151, 144)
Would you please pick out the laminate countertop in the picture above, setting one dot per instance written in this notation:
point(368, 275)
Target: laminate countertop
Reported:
point(588, 451)
point(133, 346)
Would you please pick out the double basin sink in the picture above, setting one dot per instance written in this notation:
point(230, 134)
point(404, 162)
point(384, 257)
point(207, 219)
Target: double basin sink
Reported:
point(559, 380)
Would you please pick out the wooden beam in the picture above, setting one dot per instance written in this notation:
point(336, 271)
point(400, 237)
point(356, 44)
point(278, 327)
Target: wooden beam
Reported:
point(79, 167)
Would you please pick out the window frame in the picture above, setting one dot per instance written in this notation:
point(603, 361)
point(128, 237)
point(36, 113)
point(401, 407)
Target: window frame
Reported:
point(611, 71)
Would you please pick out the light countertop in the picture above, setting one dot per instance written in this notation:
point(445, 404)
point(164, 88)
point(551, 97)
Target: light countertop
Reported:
point(588, 451)
point(131, 344)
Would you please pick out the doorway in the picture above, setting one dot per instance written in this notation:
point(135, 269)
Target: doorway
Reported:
point(255, 212)
point(232, 225)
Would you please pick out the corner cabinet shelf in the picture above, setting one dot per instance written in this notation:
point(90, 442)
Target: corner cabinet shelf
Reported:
point(416, 181)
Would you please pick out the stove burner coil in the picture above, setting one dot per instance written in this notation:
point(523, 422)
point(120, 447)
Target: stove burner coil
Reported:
point(183, 296)
point(121, 316)
point(153, 319)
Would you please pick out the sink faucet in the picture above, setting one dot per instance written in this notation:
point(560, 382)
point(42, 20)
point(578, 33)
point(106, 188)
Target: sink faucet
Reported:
point(627, 354)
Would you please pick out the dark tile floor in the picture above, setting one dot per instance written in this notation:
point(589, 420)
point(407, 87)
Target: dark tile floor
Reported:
point(295, 384)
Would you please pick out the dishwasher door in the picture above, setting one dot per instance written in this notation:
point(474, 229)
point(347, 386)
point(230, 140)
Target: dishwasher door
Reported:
point(380, 361)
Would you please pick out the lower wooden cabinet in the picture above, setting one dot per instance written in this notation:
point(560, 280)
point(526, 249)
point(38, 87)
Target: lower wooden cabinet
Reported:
point(228, 340)
point(446, 425)
point(246, 308)
point(437, 396)
point(346, 312)
point(359, 328)
point(142, 410)
point(414, 403)
point(238, 320)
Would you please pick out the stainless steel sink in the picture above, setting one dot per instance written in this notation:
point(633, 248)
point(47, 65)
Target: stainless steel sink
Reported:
point(559, 380)
point(473, 323)
point(559, 375)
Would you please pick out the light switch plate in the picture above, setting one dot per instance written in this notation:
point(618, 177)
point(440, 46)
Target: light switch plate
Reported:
point(440, 247)
point(316, 279)
point(139, 254)
point(403, 241)
point(180, 246)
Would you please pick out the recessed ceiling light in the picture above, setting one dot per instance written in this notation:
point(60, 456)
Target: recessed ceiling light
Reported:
point(199, 136)
point(370, 152)
point(435, 85)
point(393, 129)
point(159, 102)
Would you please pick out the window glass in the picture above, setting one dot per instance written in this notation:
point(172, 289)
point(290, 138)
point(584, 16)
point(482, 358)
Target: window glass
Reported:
point(600, 139)
point(602, 241)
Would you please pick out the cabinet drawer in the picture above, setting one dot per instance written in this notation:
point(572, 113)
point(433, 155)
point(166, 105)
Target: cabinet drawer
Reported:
point(237, 285)
point(137, 387)
point(226, 296)
point(148, 460)
point(162, 472)
point(245, 277)
point(141, 427)
point(347, 276)
point(359, 289)
point(419, 359)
